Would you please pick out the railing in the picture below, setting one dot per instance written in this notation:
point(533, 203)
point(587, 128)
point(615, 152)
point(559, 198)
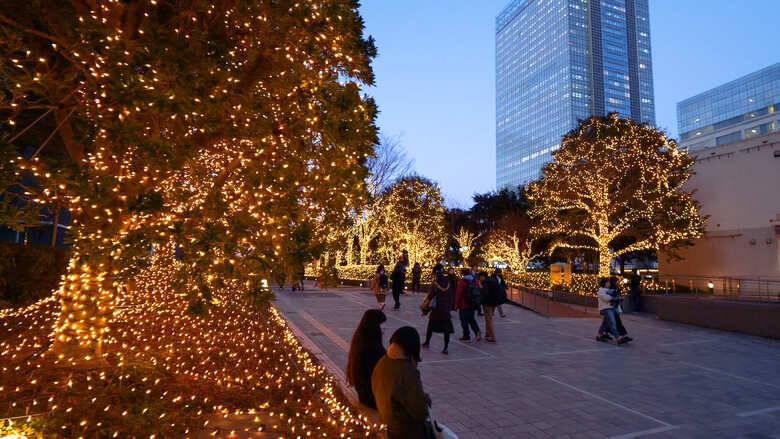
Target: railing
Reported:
point(743, 288)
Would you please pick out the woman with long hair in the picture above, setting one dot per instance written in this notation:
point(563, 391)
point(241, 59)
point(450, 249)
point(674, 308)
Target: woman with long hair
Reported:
point(364, 353)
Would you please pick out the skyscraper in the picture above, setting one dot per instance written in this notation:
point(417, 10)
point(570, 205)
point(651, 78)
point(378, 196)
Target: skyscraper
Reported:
point(561, 61)
point(743, 108)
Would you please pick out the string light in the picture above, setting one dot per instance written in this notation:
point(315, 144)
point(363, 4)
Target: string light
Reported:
point(199, 141)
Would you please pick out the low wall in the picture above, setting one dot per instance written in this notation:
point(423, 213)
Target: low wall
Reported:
point(755, 318)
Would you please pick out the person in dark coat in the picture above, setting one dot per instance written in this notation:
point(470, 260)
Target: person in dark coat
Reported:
point(364, 353)
point(400, 400)
point(498, 276)
point(439, 319)
point(398, 276)
point(493, 297)
point(416, 277)
point(465, 309)
point(636, 292)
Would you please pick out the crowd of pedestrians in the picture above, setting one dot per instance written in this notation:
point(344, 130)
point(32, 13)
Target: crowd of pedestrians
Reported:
point(389, 380)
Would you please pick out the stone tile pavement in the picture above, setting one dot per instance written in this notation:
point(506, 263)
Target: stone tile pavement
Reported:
point(549, 378)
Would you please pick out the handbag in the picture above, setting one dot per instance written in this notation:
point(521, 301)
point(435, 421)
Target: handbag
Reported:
point(437, 430)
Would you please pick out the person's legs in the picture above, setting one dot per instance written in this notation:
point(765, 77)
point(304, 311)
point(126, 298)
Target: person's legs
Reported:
point(473, 323)
point(501, 311)
point(464, 323)
point(396, 297)
point(619, 322)
point(446, 340)
point(489, 334)
point(609, 316)
point(428, 334)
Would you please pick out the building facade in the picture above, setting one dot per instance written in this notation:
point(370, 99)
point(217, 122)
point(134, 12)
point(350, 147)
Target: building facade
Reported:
point(744, 108)
point(562, 61)
point(737, 185)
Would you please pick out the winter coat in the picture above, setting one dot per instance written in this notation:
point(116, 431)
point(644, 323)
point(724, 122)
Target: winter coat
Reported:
point(492, 293)
point(400, 399)
point(445, 300)
point(398, 277)
point(606, 296)
point(460, 293)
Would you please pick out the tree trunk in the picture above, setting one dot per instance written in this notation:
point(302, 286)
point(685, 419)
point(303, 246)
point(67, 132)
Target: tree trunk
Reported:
point(605, 258)
point(56, 225)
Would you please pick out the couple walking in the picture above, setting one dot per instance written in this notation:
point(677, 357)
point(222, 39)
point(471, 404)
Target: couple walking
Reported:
point(380, 282)
point(610, 308)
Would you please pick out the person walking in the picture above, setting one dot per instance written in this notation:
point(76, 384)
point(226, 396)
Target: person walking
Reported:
point(416, 277)
point(399, 279)
point(636, 292)
point(379, 286)
point(442, 302)
point(492, 298)
point(364, 353)
point(609, 308)
point(467, 299)
point(474, 271)
point(400, 400)
point(498, 277)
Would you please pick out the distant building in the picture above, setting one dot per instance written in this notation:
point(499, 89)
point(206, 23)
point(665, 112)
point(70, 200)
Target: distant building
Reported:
point(562, 61)
point(741, 109)
point(738, 185)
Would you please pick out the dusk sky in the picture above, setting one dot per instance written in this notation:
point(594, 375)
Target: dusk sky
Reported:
point(436, 73)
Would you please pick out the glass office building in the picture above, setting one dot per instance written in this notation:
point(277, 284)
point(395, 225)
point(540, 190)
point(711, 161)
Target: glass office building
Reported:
point(744, 108)
point(562, 61)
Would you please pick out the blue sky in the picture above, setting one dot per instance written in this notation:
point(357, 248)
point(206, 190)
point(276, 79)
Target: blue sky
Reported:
point(435, 73)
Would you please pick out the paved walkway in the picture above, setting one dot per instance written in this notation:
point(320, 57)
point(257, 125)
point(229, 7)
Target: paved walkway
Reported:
point(550, 378)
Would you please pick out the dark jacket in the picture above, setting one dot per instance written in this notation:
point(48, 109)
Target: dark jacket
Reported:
point(492, 293)
point(400, 400)
point(398, 276)
point(445, 300)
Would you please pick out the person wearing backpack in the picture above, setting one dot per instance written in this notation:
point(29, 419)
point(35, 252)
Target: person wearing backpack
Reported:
point(467, 299)
point(492, 298)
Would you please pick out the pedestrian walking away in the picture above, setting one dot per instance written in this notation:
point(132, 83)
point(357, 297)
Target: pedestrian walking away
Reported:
point(440, 302)
point(399, 279)
point(474, 271)
point(467, 300)
point(416, 277)
point(610, 309)
point(364, 353)
point(498, 277)
point(379, 286)
point(400, 400)
point(493, 297)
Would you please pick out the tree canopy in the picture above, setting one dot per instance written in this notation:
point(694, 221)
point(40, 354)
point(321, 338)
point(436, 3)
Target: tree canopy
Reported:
point(616, 187)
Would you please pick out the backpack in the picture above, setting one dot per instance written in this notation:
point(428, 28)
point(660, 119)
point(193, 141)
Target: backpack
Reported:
point(473, 295)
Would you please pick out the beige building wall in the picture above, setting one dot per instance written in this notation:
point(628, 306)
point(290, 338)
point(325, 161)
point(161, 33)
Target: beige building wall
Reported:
point(738, 185)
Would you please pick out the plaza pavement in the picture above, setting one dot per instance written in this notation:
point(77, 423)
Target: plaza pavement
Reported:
point(549, 378)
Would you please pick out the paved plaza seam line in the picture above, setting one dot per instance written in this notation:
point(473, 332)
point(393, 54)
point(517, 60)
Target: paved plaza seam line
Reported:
point(729, 374)
point(585, 392)
point(644, 432)
point(758, 412)
point(709, 340)
point(335, 338)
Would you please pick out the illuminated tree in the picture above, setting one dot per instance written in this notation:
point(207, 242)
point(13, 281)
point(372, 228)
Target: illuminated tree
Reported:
point(615, 187)
point(221, 126)
point(466, 242)
point(510, 248)
point(413, 220)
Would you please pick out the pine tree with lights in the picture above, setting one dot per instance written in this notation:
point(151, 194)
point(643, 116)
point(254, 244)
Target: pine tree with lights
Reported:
point(413, 220)
point(616, 187)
